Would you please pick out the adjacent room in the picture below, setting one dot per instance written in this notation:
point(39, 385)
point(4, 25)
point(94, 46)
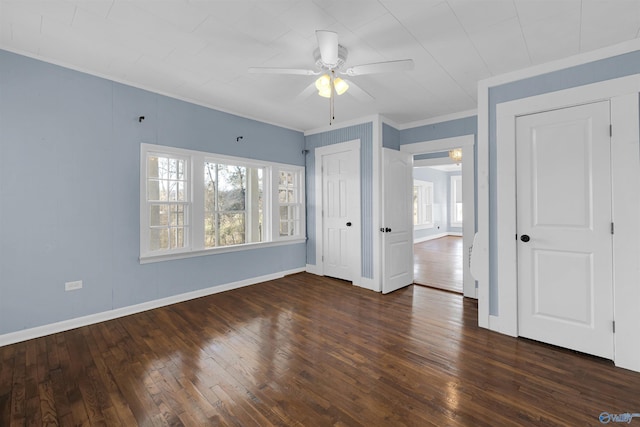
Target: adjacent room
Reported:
point(319, 213)
point(437, 222)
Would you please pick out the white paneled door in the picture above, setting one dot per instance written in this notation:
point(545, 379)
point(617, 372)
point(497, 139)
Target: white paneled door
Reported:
point(565, 275)
point(397, 220)
point(341, 213)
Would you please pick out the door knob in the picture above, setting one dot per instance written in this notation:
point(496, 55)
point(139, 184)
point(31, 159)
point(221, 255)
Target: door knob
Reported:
point(525, 238)
point(349, 224)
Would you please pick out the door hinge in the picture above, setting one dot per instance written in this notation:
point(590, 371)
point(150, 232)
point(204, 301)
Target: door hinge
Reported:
point(614, 326)
point(610, 130)
point(612, 228)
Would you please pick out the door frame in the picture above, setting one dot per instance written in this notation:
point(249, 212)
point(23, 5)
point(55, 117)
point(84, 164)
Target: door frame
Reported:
point(467, 142)
point(356, 260)
point(625, 167)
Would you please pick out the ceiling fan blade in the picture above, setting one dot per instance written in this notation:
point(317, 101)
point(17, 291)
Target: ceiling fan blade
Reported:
point(328, 45)
point(380, 67)
point(296, 71)
point(306, 92)
point(358, 93)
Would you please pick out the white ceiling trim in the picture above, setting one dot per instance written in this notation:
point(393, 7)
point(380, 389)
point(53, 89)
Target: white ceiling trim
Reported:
point(439, 119)
point(561, 64)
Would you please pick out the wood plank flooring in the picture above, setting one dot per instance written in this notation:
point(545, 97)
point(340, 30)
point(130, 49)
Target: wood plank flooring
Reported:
point(306, 351)
point(438, 263)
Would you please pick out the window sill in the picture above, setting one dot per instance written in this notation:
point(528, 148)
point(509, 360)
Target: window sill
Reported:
point(148, 259)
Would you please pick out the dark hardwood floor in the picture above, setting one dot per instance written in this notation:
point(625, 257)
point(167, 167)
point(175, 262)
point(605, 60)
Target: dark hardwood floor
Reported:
point(437, 263)
point(306, 351)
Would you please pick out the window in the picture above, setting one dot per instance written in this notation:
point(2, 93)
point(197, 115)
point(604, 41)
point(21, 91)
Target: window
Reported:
point(233, 204)
point(168, 202)
point(456, 201)
point(195, 203)
point(422, 204)
point(289, 201)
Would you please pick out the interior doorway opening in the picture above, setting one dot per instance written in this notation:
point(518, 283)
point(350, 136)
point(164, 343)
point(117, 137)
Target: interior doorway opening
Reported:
point(437, 220)
point(461, 200)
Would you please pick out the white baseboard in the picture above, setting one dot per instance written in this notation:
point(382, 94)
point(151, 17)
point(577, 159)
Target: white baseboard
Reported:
point(437, 236)
point(314, 269)
point(65, 325)
point(431, 237)
point(494, 323)
point(366, 283)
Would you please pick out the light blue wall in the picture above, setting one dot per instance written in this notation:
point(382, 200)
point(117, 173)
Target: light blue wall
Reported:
point(440, 204)
point(446, 129)
point(390, 137)
point(598, 71)
point(69, 192)
point(439, 155)
point(363, 132)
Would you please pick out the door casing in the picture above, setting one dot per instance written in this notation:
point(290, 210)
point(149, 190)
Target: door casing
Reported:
point(623, 95)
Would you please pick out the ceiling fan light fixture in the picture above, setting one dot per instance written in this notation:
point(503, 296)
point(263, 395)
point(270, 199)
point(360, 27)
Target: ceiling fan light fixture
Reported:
point(340, 85)
point(456, 155)
point(323, 83)
point(325, 92)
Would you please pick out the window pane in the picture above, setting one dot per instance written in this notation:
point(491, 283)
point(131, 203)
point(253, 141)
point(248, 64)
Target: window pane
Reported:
point(153, 190)
point(286, 179)
point(231, 229)
point(284, 213)
point(176, 236)
point(209, 232)
point(158, 215)
point(232, 186)
point(152, 167)
point(177, 215)
point(285, 228)
point(282, 195)
point(158, 239)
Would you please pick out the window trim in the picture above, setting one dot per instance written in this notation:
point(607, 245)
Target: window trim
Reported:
point(195, 174)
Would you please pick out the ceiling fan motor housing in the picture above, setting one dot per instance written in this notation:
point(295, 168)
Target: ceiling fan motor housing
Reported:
point(342, 58)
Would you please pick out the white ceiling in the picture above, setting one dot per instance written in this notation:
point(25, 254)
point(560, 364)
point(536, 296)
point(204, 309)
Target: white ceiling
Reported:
point(199, 50)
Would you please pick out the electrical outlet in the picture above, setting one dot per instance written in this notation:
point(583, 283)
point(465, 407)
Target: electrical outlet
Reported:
point(72, 286)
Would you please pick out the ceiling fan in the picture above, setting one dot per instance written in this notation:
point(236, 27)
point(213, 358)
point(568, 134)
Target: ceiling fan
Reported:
point(330, 57)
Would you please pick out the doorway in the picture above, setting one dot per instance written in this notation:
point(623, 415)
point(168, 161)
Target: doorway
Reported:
point(467, 143)
point(437, 224)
